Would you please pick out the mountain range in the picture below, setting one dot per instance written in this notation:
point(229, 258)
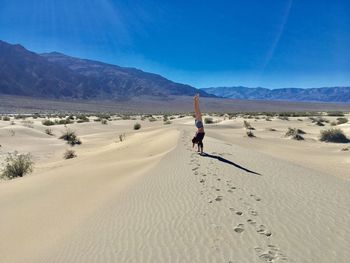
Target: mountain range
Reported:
point(327, 94)
point(55, 75)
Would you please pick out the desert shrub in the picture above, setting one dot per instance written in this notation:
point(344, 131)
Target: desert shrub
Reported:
point(47, 122)
point(333, 135)
point(208, 120)
point(69, 154)
point(12, 133)
point(137, 126)
point(335, 113)
point(121, 137)
point(250, 134)
point(283, 118)
point(6, 118)
point(271, 129)
point(71, 138)
point(17, 165)
point(104, 121)
point(48, 131)
point(300, 119)
point(181, 116)
point(28, 123)
point(319, 123)
point(97, 119)
point(172, 118)
point(82, 118)
point(341, 120)
point(63, 121)
point(268, 118)
point(247, 125)
point(295, 134)
point(19, 116)
point(165, 118)
point(167, 122)
point(152, 119)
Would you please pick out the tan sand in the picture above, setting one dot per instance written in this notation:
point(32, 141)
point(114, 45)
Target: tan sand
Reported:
point(151, 198)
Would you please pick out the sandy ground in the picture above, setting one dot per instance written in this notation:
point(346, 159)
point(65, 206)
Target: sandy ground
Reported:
point(152, 198)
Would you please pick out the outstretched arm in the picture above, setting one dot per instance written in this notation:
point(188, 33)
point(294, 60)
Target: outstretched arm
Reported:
point(197, 111)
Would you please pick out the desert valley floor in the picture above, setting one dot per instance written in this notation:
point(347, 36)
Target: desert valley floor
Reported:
point(152, 198)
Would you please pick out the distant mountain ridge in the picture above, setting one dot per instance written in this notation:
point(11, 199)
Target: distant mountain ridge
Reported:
point(328, 94)
point(56, 75)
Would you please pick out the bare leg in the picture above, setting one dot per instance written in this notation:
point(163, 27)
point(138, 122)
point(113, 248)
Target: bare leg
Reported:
point(197, 111)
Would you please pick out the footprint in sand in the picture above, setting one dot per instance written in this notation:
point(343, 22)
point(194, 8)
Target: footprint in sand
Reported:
point(252, 212)
point(239, 228)
point(263, 231)
point(251, 221)
point(256, 198)
point(271, 254)
point(218, 198)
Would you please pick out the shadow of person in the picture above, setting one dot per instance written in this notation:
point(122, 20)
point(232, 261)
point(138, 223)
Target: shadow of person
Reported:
point(221, 159)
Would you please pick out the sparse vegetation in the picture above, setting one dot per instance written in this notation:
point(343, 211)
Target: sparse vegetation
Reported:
point(335, 113)
point(12, 133)
point(70, 137)
point(121, 137)
point(48, 131)
point(28, 123)
point(104, 122)
point(137, 126)
point(48, 122)
point(208, 120)
point(295, 134)
point(167, 122)
point(333, 135)
point(82, 118)
point(69, 154)
point(341, 120)
point(152, 119)
point(6, 118)
point(250, 134)
point(17, 165)
point(247, 125)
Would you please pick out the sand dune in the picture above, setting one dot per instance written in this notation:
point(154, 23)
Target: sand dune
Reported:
point(152, 198)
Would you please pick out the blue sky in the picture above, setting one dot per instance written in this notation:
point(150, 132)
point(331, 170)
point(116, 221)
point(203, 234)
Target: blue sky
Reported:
point(268, 43)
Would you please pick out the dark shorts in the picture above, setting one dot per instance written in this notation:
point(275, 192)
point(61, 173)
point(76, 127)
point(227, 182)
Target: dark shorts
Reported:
point(198, 123)
point(200, 136)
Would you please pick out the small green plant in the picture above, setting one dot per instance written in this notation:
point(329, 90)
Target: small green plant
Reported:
point(208, 120)
point(71, 138)
point(69, 154)
point(17, 165)
point(333, 135)
point(137, 126)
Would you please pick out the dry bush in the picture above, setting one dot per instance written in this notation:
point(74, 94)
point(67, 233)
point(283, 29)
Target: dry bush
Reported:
point(137, 126)
point(71, 138)
point(250, 134)
point(48, 131)
point(333, 135)
point(341, 120)
point(17, 165)
point(208, 120)
point(69, 154)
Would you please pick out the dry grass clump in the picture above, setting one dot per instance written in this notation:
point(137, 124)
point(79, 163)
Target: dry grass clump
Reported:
point(295, 134)
point(47, 122)
point(250, 134)
point(6, 118)
point(208, 120)
point(17, 165)
point(247, 125)
point(333, 135)
point(48, 131)
point(137, 126)
point(341, 120)
point(69, 154)
point(104, 122)
point(70, 137)
point(167, 122)
point(82, 118)
point(28, 123)
point(122, 137)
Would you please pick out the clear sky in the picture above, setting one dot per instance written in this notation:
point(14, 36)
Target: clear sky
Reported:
point(268, 43)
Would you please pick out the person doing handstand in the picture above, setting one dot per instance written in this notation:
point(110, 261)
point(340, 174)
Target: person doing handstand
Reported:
point(198, 138)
